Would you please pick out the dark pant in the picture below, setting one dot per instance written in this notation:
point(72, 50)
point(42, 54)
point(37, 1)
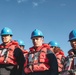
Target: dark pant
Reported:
point(40, 73)
point(8, 69)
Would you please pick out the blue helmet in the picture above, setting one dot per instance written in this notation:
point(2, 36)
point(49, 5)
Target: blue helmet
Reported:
point(54, 44)
point(72, 35)
point(36, 32)
point(6, 31)
point(20, 42)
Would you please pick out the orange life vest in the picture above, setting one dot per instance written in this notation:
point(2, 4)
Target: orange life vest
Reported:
point(60, 56)
point(7, 53)
point(70, 66)
point(25, 52)
point(70, 62)
point(37, 60)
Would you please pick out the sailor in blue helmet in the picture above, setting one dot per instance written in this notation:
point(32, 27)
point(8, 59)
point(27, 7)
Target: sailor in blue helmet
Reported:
point(41, 60)
point(72, 40)
point(22, 46)
point(55, 47)
point(11, 56)
point(70, 62)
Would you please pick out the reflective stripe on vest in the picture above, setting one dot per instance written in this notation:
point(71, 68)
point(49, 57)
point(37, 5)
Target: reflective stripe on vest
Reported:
point(70, 63)
point(7, 53)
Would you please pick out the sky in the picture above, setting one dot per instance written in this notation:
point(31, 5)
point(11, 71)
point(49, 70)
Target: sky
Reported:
point(55, 18)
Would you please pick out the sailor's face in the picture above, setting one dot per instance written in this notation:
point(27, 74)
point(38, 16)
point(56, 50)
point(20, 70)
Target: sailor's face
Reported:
point(37, 41)
point(6, 38)
point(73, 44)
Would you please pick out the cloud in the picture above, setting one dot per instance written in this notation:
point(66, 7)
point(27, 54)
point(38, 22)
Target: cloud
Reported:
point(35, 4)
point(20, 1)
